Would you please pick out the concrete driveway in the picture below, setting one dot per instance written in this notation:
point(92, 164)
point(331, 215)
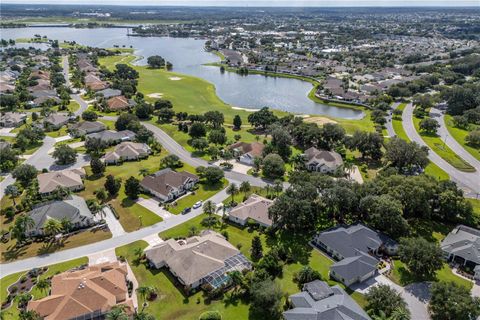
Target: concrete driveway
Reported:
point(113, 224)
point(237, 166)
point(6, 132)
point(102, 257)
point(152, 204)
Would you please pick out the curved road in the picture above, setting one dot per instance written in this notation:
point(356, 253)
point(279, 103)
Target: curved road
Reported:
point(388, 124)
point(468, 181)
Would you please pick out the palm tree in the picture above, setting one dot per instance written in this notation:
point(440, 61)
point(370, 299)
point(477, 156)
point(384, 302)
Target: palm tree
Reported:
point(117, 313)
point(144, 292)
point(268, 188)
point(232, 190)
point(138, 253)
point(67, 224)
point(27, 222)
point(29, 315)
point(43, 285)
point(144, 172)
point(209, 208)
point(12, 191)
point(245, 187)
point(52, 227)
point(348, 166)
point(23, 299)
point(142, 315)
point(236, 280)
point(400, 313)
point(277, 186)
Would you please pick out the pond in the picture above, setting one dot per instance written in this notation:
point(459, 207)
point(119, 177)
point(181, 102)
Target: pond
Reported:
point(188, 56)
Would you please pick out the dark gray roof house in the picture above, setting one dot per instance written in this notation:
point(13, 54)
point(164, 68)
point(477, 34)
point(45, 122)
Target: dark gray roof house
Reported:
point(109, 93)
point(73, 208)
point(354, 247)
point(85, 127)
point(113, 137)
point(318, 301)
point(462, 244)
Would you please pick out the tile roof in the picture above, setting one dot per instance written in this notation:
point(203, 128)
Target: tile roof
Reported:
point(254, 149)
point(255, 207)
point(50, 181)
point(165, 180)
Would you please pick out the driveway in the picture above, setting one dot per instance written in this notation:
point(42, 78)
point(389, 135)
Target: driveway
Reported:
point(468, 181)
point(356, 175)
point(153, 240)
point(476, 289)
point(113, 224)
point(63, 138)
point(152, 204)
point(102, 257)
point(237, 166)
point(6, 132)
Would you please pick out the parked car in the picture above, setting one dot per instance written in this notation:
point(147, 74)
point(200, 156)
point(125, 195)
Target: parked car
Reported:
point(197, 204)
point(186, 210)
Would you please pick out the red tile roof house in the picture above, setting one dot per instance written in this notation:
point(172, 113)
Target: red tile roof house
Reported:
point(247, 152)
point(94, 83)
point(167, 184)
point(119, 103)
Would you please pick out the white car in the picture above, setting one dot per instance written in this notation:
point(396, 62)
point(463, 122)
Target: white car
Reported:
point(197, 204)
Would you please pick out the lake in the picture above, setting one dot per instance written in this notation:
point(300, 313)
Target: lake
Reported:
point(188, 56)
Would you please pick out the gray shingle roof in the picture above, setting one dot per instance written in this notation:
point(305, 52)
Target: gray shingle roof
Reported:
point(463, 242)
point(110, 135)
point(355, 267)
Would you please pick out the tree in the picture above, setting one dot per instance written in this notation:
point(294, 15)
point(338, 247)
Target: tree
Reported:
point(214, 118)
point(217, 136)
point(117, 313)
point(8, 159)
point(369, 144)
point(382, 298)
point(112, 185)
point(66, 224)
point(429, 125)
point(29, 315)
point(473, 138)
point(125, 72)
point(265, 297)
point(256, 252)
point(52, 227)
point(95, 146)
point(277, 186)
point(209, 209)
point(213, 175)
point(24, 173)
point(232, 190)
point(262, 118)
point(331, 136)
point(143, 110)
point(43, 285)
point(89, 115)
point(199, 144)
point(64, 154)
point(385, 213)
point(127, 121)
point(12, 191)
point(237, 122)
point(305, 275)
point(197, 130)
point(156, 62)
point(245, 187)
point(101, 195)
point(422, 258)
point(452, 301)
point(145, 292)
point(273, 166)
point(166, 115)
point(163, 104)
point(21, 225)
point(97, 166)
point(406, 156)
point(281, 142)
point(170, 161)
point(210, 315)
point(132, 188)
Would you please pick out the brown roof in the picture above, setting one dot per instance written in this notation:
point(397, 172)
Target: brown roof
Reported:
point(255, 149)
point(255, 207)
point(48, 182)
point(165, 180)
point(118, 103)
point(82, 292)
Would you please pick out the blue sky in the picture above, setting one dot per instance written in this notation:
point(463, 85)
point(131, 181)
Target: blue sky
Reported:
point(304, 3)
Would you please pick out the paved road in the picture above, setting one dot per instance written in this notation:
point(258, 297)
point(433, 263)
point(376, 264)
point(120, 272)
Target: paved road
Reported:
point(468, 181)
point(76, 97)
point(389, 125)
point(87, 250)
point(451, 142)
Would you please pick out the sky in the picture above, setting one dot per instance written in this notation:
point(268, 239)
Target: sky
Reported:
point(251, 3)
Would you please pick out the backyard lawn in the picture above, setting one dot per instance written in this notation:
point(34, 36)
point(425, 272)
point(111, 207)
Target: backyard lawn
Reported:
point(12, 312)
point(460, 134)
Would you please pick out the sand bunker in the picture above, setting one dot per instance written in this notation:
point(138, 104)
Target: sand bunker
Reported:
point(244, 109)
point(175, 78)
point(319, 120)
point(156, 95)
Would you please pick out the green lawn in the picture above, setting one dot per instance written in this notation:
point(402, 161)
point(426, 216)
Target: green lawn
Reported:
point(58, 133)
point(403, 277)
point(438, 146)
point(459, 135)
point(203, 193)
point(12, 312)
point(132, 215)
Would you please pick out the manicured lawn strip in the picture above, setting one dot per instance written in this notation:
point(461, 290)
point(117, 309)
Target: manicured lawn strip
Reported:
point(10, 253)
point(12, 312)
point(111, 61)
point(58, 133)
point(476, 209)
point(73, 106)
point(435, 171)
point(203, 193)
point(132, 215)
point(459, 135)
point(438, 146)
point(403, 277)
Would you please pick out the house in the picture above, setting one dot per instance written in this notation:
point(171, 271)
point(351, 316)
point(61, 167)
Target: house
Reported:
point(167, 184)
point(70, 179)
point(12, 119)
point(73, 208)
point(322, 160)
point(80, 129)
point(254, 208)
point(462, 245)
point(109, 93)
point(198, 260)
point(127, 151)
point(247, 152)
point(112, 137)
point(319, 301)
point(86, 293)
point(55, 121)
point(40, 100)
point(119, 103)
point(355, 248)
point(94, 83)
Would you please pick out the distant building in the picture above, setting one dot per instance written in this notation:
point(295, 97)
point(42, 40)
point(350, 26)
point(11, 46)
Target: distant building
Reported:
point(355, 248)
point(247, 152)
point(254, 208)
point(127, 151)
point(70, 179)
point(12, 119)
point(167, 184)
point(323, 161)
point(88, 293)
point(56, 120)
point(319, 301)
point(204, 259)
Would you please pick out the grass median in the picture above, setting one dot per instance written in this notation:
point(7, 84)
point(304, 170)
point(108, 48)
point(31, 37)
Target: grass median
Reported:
point(460, 134)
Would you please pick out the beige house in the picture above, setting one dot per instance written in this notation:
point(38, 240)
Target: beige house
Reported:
point(322, 160)
point(70, 179)
point(204, 259)
point(254, 208)
point(12, 119)
point(127, 151)
point(167, 184)
point(247, 152)
point(87, 293)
